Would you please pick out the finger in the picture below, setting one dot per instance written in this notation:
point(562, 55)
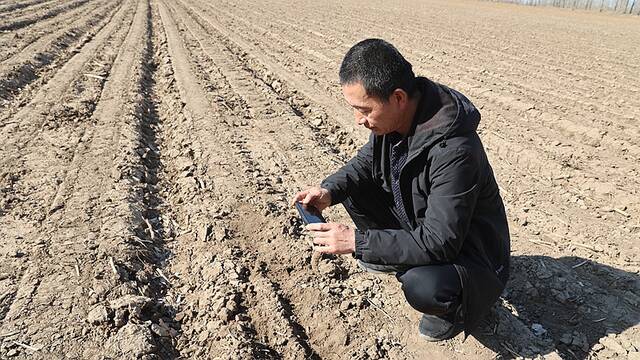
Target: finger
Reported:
point(321, 234)
point(322, 249)
point(319, 227)
point(299, 196)
point(320, 241)
point(310, 196)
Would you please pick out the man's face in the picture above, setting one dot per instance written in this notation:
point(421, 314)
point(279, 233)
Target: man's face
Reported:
point(374, 114)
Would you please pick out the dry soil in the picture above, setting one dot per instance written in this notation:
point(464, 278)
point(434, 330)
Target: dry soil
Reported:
point(149, 149)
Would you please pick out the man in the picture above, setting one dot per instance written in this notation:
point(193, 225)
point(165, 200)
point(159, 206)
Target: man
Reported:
point(421, 193)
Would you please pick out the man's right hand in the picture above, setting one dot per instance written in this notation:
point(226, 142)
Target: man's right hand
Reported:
point(316, 196)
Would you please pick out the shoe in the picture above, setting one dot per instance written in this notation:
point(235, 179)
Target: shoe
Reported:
point(437, 328)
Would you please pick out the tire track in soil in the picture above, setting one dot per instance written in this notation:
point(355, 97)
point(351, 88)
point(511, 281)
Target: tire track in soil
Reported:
point(109, 301)
point(31, 68)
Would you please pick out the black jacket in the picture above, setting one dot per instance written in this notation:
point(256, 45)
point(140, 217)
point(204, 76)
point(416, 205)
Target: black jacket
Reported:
point(450, 196)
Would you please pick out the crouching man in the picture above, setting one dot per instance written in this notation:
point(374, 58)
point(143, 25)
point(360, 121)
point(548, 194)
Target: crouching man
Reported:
point(421, 193)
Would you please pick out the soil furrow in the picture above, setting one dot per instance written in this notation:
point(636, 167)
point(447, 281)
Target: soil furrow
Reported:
point(15, 42)
point(242, 74)
point(45, 130)
point(30, 19)
point(243, 343)
point(12, 51)
point(31, 184)
point(252, 166)
point(571, 127)
point(23, 5)
point(581, 134)
point(24, 73)
point(514, 83)
point(560, 154)
point(454, 51)
point(100, 276)
point(274, 70)
point(514, 49)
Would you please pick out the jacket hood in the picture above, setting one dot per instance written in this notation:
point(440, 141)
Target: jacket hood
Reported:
point(442, 113)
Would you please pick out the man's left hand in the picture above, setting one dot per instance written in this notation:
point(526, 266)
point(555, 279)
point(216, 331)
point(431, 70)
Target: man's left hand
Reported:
point(332, 238)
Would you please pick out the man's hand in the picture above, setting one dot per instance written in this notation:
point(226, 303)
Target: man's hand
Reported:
point(332, 238)
point(316, 196)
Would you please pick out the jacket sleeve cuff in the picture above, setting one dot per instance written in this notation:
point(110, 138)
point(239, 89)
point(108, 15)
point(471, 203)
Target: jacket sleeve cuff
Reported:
point(336, 197)
point(361, 244)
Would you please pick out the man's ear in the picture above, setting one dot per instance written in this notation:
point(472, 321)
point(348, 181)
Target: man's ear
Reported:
point(400, 96)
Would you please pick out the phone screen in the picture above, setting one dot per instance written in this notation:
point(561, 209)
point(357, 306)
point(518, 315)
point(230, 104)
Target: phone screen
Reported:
point(309, 214)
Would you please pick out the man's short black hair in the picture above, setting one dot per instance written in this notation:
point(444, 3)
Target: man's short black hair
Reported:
point(379, 67)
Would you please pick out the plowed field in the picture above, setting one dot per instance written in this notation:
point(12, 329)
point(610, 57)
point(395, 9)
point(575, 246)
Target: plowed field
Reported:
point(149, 150)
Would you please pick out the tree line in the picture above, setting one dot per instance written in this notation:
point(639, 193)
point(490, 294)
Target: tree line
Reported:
point(619, 6)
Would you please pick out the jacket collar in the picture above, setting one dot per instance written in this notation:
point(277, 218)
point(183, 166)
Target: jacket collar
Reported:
point(441, 113)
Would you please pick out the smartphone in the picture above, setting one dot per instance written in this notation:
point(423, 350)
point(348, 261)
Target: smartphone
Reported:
point(309, 214)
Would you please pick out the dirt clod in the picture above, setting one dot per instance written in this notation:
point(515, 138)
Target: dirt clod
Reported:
point(132, 340)
point(99, 315)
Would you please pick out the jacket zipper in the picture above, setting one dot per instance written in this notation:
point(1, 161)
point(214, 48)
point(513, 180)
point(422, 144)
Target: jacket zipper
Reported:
point(411, 217)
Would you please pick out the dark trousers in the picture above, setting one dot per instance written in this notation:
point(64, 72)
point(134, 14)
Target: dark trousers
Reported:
point(430, 289)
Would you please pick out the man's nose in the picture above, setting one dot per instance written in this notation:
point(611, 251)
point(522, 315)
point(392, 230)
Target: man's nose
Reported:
point(360, 119)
